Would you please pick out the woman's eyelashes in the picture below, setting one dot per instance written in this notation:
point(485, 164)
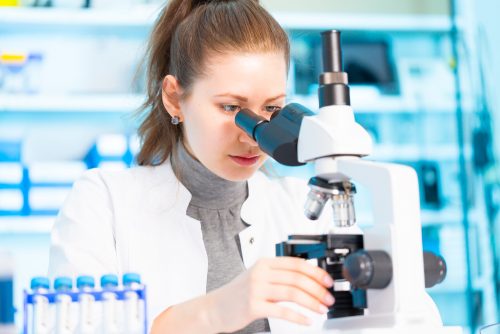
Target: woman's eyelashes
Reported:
point(272, 109)
point(231, 108)
point(234, 108)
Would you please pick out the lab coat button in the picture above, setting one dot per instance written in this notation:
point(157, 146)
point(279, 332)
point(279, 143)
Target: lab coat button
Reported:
point(251, 240)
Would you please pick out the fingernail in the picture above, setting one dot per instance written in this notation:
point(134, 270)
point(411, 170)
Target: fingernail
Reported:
point(329, 300)
point(328, 281)
point(323, 309)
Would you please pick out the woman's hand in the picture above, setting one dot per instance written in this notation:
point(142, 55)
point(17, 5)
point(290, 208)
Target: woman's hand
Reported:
point(255, 294)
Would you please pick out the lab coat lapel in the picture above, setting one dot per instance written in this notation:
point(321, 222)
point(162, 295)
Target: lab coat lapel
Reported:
point(255, 240)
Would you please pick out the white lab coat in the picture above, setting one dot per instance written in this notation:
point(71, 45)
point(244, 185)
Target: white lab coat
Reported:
point(135, 221)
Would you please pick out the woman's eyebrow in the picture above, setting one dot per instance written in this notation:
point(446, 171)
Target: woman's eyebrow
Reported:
point(245, 99)
point(237, 97)
point(276, 97)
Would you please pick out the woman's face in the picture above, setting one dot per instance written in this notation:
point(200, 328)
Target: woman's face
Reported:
point(256, 81)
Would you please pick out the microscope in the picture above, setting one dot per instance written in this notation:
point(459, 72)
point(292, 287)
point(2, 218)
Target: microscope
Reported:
point(380, 272)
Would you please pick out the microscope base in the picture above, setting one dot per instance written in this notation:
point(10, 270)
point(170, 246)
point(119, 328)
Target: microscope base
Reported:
point(398, 330)
point(388, 324)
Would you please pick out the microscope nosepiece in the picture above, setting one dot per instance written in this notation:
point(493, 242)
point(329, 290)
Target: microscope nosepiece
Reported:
point(341, 194)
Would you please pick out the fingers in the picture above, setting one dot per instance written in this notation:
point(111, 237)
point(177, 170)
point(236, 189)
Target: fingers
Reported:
point(317, 292)
point(289, 293)
point(301, 266)
point(281, 312)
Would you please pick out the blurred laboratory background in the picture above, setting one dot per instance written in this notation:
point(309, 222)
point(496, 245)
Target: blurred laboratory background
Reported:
point(424, 78)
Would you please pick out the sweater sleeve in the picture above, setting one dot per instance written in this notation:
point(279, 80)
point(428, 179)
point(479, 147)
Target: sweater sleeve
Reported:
point(83, 239)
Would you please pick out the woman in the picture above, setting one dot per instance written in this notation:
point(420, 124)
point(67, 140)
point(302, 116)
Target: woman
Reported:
point(196, 218)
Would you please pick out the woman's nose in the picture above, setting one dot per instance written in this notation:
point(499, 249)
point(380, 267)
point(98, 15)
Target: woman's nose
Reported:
point(244, 138)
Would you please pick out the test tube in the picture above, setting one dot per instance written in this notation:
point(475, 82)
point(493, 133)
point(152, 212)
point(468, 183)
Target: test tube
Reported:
point(86, 303)
point(41, 316)
point(63, 286)
point(134, 320)
point(109, 324)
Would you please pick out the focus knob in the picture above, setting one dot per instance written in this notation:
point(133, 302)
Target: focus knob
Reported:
point(368, 269)
point(434, 269)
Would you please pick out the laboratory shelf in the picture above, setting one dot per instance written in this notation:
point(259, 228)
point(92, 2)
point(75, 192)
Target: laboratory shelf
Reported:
point(111, 103)
point(26, 225)
point(320, 21)
point(143, 16)
point(366, 101)
point(139, 17)
point(413, 152)
point(124, 103)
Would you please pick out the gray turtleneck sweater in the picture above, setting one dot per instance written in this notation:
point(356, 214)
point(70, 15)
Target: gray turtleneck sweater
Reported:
point(216, 203)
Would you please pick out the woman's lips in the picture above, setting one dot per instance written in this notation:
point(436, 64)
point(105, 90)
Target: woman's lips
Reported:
point(245, 161)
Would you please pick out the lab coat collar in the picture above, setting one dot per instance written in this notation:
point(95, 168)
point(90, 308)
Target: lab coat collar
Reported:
point(252, 211)
point(254, 208)
point(160, 196)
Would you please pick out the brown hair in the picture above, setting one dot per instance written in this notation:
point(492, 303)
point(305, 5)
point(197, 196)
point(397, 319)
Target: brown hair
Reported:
point(186, 32)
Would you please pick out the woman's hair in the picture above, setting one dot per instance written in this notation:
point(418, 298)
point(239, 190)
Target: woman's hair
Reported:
point(186, 34)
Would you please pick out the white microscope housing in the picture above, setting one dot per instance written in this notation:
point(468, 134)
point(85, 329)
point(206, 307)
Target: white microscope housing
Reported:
point(381, 274)
point(403, 306)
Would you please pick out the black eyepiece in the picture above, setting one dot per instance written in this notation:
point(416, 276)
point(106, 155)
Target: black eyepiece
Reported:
point(248, 121)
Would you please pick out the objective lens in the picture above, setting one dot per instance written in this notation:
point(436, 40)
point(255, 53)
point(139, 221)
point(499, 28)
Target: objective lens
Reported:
point(315, 203)
point(343, 210)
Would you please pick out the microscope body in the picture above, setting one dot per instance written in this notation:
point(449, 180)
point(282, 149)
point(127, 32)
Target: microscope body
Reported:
point(381, 272)
point(400, 302)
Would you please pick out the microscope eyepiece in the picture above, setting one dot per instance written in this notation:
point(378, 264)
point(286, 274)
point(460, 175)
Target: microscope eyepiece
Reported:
point(333, 89)
point(248, 121)
point(332, 52)
point(278, 137)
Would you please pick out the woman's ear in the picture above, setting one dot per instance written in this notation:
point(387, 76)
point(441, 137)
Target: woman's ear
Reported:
point(171, 93)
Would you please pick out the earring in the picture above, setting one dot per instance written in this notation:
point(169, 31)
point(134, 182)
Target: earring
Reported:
point(175, 120)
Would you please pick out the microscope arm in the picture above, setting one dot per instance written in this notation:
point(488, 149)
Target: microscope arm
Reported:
point(396, 229)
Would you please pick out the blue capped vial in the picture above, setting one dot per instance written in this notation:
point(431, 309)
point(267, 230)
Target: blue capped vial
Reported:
point(87, 321)
point(40, 283)
point(64, 316)
point(85, 282)
point(63, 283)
point(40, 322)
point(109, 281)
point(133, 305)
point(131, 278)
point(110, 305)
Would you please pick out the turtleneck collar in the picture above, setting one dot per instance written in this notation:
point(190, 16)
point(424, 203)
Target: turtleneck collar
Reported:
point(207, 189)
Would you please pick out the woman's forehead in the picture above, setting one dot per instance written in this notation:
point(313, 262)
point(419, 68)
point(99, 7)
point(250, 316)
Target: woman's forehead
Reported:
point(236, 72)
point(239, 61)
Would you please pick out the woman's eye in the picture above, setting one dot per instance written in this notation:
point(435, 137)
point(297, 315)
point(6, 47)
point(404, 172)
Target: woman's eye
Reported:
point(272, 109)
point(230, 107)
